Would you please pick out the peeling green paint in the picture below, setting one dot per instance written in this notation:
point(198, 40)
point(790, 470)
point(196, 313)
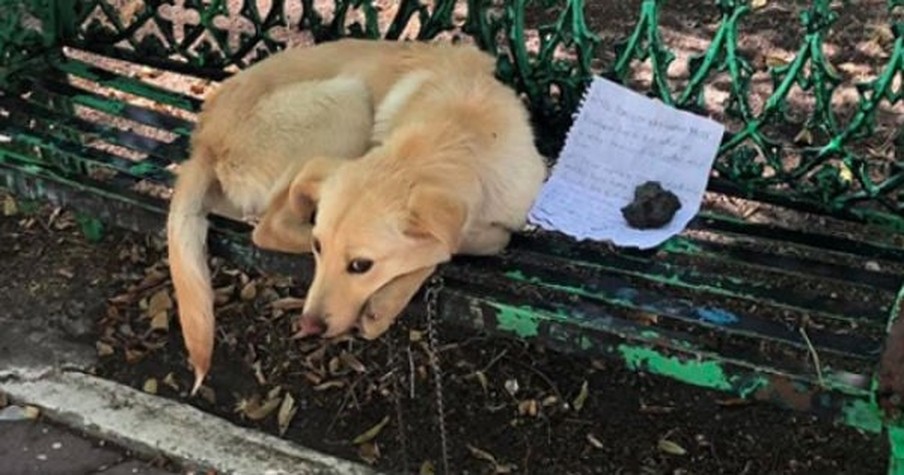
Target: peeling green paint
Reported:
point(896, 442)
point(680, 245)
point(701, 373)
point(863, 415)
point(520, 321)
point(108, 106)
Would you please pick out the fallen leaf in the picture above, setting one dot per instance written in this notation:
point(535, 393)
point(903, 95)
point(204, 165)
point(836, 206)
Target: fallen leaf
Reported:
point(286, 413)
point(254, 410)
point(774, 61)
point(415, 336)
point(757, 4)
point(159, 302)
point(207, 394)
point(528, 408)
point(10, 207)
point(133, 356)
point(371, 433)
point(427, 468)
point(335, 365)
point(249, 291)
point(596, 443)
point(804, 137)
point(329, 385)
point(511, 385)
point(160, 321)
point(488, 457)
point(103, 349)
point(198, 88)
point(32, 412)
point(288, 303)
point(730, 402)
point(170, 380)
point(670, 447)
point(352, 362)
point(482, 379)
point(845, 172)
point(369, 452)
point(150, 386)
point(581, 398)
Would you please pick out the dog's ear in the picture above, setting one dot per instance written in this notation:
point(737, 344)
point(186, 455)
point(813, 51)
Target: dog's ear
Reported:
point(434, 213)
point(304, 192)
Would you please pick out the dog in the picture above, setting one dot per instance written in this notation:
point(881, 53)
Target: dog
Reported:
point(453, 169)
point(255, 152)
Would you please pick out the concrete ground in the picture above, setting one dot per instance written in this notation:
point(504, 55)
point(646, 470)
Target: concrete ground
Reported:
point(35, 447)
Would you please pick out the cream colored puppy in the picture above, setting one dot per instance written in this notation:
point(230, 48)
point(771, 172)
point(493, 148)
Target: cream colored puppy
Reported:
point(256, 136)
point(453, 170)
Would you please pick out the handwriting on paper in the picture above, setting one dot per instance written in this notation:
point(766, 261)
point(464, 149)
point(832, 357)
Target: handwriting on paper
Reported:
point(619, 140)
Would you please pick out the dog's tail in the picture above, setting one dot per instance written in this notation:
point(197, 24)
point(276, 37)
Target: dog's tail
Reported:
point(187, 242)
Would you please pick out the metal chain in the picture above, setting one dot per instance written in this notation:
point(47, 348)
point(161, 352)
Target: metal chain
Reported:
point(395, 362)
point(431, 298)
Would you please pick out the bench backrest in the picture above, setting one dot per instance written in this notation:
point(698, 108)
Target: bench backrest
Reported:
point(546, 50)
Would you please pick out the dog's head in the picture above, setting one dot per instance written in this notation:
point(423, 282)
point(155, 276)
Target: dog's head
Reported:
point(373, 227)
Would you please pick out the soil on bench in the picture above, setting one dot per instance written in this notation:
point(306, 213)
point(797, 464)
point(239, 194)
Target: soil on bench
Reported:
point(509, 407)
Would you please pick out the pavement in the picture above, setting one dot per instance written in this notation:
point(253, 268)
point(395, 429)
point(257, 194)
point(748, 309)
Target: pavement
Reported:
point(36, 447)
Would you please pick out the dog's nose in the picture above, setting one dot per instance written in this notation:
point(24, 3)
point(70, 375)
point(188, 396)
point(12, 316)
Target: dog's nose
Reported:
point(309, 325)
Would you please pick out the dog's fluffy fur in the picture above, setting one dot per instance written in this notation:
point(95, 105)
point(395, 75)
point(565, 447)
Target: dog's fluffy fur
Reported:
point(447, 166)
point(453, 170)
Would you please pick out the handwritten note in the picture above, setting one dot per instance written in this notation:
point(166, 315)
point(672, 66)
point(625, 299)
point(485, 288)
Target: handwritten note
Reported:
point(619, 140)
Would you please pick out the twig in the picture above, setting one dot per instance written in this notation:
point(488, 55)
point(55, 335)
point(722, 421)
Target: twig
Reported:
point(813, 354)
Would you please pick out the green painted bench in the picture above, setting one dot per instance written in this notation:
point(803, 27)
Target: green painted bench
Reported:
point(794, 309)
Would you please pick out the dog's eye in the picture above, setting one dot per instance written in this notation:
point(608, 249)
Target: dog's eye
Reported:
point(359, 266)
point(316, 246)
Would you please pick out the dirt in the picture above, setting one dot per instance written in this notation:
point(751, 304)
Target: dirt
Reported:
point(506, 403)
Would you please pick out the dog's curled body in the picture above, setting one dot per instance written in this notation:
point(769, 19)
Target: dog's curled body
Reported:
point(257, 134)
point(453, 170)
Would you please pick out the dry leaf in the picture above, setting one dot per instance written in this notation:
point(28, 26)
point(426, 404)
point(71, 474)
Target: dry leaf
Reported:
point(845, 172)
point(10, 207)
point(254, 410)
point(150, 386)
point(427, 468)
point(160, 321)
point(415, 336)
point(207, 394)
point(511, 385)
point(335, 365)
point(32, 412)
point(288, 303)
point(159, 302)
point(529, 407)
point(249, 291)
point(581, 398)
point(369, 452)
point(350, 361)
point(170, 380)
point(596, 443)
point(482, 379)
point(757, 4)
point(774, 61)
point(671, 448)
point(488, 457)
point(804, 137)
point(371, 433)
point(286, 413)
point(103, 349)
point(329, 385)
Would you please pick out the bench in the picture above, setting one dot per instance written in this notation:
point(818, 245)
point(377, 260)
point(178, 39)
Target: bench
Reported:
point(793, 309)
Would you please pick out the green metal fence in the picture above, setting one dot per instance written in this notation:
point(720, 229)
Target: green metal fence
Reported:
point(825, 169)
